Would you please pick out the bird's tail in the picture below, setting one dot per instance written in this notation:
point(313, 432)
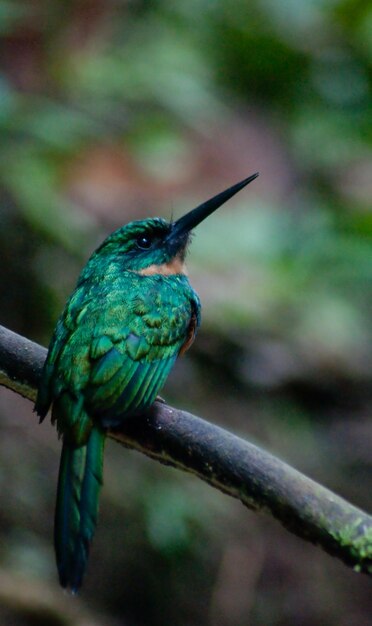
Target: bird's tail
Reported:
point(79, 485)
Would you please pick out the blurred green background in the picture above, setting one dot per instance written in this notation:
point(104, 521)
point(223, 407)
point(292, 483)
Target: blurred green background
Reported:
point(114, 110)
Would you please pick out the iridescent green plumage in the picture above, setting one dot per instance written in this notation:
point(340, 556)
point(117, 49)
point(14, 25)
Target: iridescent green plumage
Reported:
point(132, 313)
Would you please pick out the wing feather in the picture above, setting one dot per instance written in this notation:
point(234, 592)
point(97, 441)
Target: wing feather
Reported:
point(116, 359)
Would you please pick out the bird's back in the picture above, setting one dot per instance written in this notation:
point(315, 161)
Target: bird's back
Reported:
point(113, 348)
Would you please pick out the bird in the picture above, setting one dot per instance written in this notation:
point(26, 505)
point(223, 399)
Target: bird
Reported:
point(132, 314)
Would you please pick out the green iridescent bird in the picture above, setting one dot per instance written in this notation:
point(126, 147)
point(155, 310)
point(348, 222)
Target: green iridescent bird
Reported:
point(133, 312)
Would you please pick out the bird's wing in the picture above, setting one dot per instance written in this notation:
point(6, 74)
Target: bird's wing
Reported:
point(118, 355)
point(51, 381)
point(130, 365)
point(44, 395)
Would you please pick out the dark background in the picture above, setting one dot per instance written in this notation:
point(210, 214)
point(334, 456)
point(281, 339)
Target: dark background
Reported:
point(114, 110)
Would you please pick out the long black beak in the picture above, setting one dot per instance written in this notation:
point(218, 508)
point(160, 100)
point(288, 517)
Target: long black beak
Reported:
point(187, 222)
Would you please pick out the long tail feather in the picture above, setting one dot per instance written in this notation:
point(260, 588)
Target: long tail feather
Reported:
point(79, 484)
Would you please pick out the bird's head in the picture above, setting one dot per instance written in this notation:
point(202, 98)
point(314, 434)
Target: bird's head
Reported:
point(155, 246)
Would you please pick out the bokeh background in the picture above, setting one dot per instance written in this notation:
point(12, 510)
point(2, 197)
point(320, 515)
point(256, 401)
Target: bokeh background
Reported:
point(117, 110)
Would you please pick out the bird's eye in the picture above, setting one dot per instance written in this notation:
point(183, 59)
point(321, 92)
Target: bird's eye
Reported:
point(144, 242)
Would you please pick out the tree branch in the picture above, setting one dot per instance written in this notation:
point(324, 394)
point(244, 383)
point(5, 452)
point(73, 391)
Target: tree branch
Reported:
point(228, 463)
